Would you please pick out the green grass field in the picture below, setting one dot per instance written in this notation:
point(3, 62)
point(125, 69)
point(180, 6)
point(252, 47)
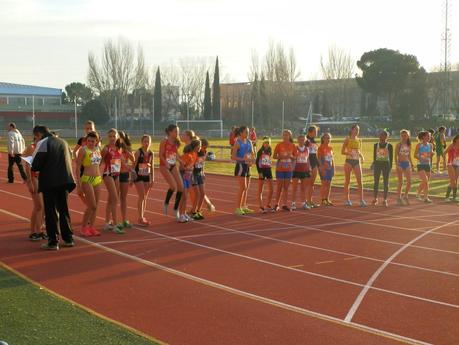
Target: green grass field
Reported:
point(27, 313)
point(437, 186)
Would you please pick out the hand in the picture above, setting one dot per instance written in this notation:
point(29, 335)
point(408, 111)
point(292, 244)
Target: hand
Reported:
point(30, 187)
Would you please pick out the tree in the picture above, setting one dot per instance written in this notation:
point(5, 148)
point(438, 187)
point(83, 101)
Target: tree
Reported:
point(216, 92)
point(95, 111)
point(207, 112)
point(399, 78)
point(337, 65)
point(78, 91)
point(158, 99)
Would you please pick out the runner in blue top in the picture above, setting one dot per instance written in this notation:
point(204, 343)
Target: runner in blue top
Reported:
point(423, 153)
point(242, 153)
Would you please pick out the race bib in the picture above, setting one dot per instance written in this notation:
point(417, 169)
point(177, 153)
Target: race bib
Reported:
point(424, 157)
point(456, 161)
point(328, 158)
point(171, 159)
point(284, 163)
point(302, 158)
point(199, 163)
point(115, 165)
point(95, 158)
point(265, 161)
point(404, 151)
point(313, 148)
point(144, 169)
point(382, 154)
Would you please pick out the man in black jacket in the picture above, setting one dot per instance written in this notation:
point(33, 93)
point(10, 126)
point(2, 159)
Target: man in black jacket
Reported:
point(55, 180)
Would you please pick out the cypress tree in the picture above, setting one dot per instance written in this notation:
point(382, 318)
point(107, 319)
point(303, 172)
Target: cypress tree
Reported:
point(216, 93)
point(207, 100)
point(157, 109)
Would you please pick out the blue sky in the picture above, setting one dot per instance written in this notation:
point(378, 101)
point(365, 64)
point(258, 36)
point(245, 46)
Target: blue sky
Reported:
point(47, 42)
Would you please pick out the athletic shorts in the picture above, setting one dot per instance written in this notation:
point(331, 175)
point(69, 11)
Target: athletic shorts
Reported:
point(404, 165)
point(353, 162)
point(197, 179)
point(92, 180)
point(301, 174)
point(124, 177)
point(328, 176)
point(440, 151)
point(265, 173)
point(115, 177)
point(313, 161)
point(284, 175)
point(242, 169)
point(142, 178)
point(424, 167)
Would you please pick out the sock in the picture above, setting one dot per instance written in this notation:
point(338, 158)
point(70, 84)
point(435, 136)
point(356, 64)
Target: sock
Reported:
point(454, 192)
point(178, 196)
point(168, 196)
point(448, 191)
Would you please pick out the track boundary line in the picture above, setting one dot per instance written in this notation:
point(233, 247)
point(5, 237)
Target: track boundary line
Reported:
point(358, 301)
point(249, 295)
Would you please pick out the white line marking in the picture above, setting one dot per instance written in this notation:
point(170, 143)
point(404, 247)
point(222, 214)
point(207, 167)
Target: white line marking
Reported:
point(378, 272)
point(242, 293)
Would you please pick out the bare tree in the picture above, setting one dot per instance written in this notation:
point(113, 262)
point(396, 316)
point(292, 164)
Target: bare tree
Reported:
point(337, 65)
point(254, 68)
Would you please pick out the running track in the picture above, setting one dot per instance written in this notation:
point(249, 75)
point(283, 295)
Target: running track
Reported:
point(327, 276)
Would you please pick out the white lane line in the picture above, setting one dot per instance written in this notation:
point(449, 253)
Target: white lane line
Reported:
point(358, 301)
point(273, 239)
point(242, 293)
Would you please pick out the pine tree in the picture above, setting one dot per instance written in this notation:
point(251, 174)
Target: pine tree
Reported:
point(157, 109)
point(216, 93)
point(207, 100)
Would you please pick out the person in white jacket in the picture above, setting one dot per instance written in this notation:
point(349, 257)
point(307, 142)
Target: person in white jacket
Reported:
point(16, 146)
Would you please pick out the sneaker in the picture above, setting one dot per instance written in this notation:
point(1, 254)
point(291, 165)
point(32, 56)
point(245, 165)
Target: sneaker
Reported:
point(127, 224)
point(119, 229)
point(418, 197)
point(374, 202)
point(324, 202)
point(276, 208)
point(43, 235)
point(313, 205)
point(293, 207)
point(182, 219)
point(363, 203)
point(348, 203)
point(406, 200)
point(428, 201)
point(211, 208)
point(85, 231)
point(263, 210)
point(34, 237)
point(399, 202)
point(286, 208)
point(239, 212)
point(93, 231)
point(448, 200)
point(165, 208)
point(197, 216)
point(188, 218)
point(50, 246)
point(329, 203)
point(68, 244)
point(247, 210)
point(108, 227)
point(385, 203)
point(177, 214)
point(306, 206)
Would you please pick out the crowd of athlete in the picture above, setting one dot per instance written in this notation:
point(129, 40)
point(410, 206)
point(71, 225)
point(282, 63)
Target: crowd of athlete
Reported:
point(298, 163)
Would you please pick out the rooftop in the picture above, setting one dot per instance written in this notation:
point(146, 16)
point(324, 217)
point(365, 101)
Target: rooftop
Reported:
point(11, 89)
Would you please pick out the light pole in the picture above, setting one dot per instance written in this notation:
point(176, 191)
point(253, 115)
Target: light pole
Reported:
point(76, 118)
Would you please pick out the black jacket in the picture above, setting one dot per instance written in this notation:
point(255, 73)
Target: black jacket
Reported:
point(52, 159)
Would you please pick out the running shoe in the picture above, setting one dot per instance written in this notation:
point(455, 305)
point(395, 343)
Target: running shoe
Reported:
point(374, 202)
point(262, 209)
point(165, 208)
point(313, 205)
point(247, 210)
point(34, 237)
point(306, 206)
point(363, 203)
point(93, 231)
point(188, 218)
point(239, 212)
point(43, 235)
point(197, 216)
point(50, 246)
point(183, 219)
point(85, 231)
point(407, 201)
point(286, 208)
point(448, 199)
point(385, 203)
point(329, 203)
point(418, 197)
point(399, 202)
point(428, 201)
point(119, 229)
point(108, 227)
point(211, 208)
point(68, 244)
point(348, 203)
point(276, 208)
point(269, 208)
point(324, 202)
point(177, 214)
point(293, 207)
point(127, 224)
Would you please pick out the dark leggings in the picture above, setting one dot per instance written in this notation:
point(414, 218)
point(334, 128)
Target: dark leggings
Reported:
point(384, 168)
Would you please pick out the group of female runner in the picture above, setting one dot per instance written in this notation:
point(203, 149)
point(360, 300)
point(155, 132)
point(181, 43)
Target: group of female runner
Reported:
point(299, 163)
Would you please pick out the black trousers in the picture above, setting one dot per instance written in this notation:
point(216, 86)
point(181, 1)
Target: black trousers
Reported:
point(384, 169)
point(15, 159)
point(57, 215)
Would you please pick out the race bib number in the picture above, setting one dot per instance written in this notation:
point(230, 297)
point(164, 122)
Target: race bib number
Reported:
point(456, 161)
point(171, 159)
point(404, 151)
point(313, 148)
point(285, 163)
point(95, 158)
point(115, 165)
point(144, 169)
point(265, 161)
point(382, 154)
point(328, 158)
point(199, 163)
point(424, 157)
point(302, 158)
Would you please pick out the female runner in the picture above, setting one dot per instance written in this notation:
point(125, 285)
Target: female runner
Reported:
point(326, 168)
point(404, 166)
point(127, 161)
point(313, 131)
point(383, 155)
point(145, 176)
point(285, 153)
point(265, 174)
point(301, 172)
point(453, 169)
point(423, 153)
